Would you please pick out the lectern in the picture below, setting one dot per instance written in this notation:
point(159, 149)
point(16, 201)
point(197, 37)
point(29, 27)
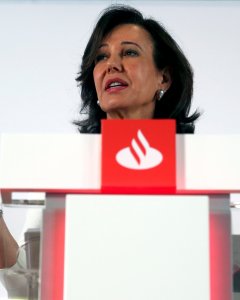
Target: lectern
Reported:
point(104, 246)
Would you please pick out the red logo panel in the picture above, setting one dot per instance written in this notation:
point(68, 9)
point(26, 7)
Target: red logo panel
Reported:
point(138, 156)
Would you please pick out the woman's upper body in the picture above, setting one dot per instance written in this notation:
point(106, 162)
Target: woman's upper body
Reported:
point(133, 69)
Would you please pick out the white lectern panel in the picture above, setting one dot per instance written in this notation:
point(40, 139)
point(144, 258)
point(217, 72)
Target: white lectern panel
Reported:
point(208, 162)
point(137, 247)
point(50, 161)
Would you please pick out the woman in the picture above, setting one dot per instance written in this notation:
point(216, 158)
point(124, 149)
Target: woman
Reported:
point(133, 69)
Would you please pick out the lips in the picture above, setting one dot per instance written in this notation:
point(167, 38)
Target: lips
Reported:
point(115, 83)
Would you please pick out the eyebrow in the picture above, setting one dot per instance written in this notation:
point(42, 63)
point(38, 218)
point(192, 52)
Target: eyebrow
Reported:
point(123, 43)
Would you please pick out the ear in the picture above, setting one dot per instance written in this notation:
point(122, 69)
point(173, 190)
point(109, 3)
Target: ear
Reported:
point(165, 79)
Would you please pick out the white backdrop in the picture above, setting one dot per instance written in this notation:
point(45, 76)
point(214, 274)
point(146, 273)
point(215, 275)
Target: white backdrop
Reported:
point(41, 44)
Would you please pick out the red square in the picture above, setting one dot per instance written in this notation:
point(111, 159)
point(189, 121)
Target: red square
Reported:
point(138, 156)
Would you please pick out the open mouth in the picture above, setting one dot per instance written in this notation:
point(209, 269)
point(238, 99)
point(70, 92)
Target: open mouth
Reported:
point(115, 84)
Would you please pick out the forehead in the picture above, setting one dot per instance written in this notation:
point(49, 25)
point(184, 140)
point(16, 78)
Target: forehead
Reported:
point(128, 32)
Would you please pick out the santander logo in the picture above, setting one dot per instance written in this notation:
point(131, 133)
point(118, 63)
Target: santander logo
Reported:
point(139, 155)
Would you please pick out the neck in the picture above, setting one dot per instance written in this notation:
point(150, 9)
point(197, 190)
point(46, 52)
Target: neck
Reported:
point(131, 114)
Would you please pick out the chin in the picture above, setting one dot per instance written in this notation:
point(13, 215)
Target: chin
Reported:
point(111, 107)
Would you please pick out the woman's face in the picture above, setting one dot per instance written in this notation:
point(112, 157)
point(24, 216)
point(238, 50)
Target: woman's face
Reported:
point(125, 76)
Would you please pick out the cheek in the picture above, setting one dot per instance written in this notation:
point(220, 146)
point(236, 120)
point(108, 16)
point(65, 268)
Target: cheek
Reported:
point(144, 76)
point(137, 75)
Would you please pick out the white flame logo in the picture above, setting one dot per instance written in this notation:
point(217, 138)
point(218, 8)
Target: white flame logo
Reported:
point(140, 155)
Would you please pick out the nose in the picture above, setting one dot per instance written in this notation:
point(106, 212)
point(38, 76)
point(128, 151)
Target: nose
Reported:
point(114, 64)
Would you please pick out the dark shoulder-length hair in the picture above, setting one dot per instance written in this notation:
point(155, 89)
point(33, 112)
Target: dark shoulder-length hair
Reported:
point(176, 102)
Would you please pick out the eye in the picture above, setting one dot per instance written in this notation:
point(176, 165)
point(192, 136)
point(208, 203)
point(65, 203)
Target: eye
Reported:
point(130, 52)
point(100, 57)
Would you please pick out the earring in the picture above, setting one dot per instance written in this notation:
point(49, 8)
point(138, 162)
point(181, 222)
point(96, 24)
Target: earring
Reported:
point(98, 103)
point(160, 94)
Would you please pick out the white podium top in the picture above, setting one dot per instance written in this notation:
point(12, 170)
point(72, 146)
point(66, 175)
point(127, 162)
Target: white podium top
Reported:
point(72, 162)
